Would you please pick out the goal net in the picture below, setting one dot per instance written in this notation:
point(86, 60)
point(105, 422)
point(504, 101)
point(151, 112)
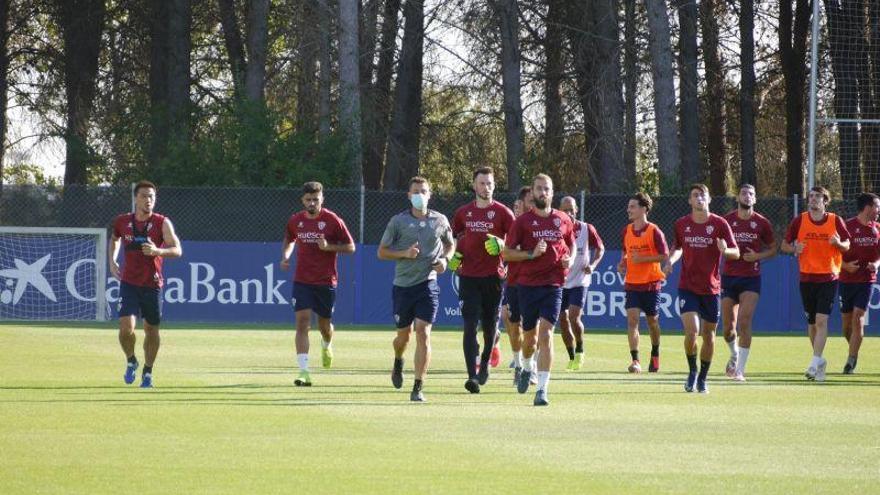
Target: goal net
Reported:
point(845, 95)
point(49, 273)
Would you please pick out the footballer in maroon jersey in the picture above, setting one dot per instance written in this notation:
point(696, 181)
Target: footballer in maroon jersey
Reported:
point(510, 311)
point(701, 239)
point(146, 238)
point(320, 235)
point(545, 245)
point(858, 273)
point(479, 272)
point(741, 278)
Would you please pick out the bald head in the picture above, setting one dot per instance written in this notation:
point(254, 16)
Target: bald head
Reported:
point(569, 205)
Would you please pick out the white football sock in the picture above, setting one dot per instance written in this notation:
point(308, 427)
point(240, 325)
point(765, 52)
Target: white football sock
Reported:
point(325, 344)
point(543, 380)
point(527, 364)
point(815, 361)
point(303, 361)
point(517, 359)
point(732, 346)
point(741, 360)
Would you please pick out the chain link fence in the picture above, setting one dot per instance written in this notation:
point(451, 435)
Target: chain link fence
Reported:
point(260, 214)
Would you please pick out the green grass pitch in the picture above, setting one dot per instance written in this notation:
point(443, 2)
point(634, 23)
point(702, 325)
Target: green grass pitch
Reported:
point(225, 418)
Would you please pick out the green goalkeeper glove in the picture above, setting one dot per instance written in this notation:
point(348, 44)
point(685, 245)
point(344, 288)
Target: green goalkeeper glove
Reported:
point(454, 262)
point(494, 245)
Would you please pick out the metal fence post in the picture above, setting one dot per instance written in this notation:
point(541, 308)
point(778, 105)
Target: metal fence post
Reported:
point(132, 197)
point(794, 207)
point(362, 206)
point(583, 199)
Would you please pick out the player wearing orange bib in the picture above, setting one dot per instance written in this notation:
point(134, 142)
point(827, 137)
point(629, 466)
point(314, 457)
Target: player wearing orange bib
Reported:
point(818, 239)
point(644, 249)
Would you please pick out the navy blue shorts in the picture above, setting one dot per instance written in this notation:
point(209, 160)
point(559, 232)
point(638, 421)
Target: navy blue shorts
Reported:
point(418, 301)
point(480, 298)
point(318, 298)
point(576, 296)
point(705, 305)
point(732, 287)
point(140, 301)
point(511, 300)
point(818, 298)
point(645, 300)
point(854, 295)
point(544, 301)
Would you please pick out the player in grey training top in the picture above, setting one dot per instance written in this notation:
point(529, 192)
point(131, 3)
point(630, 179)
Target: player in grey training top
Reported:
point(420, 241)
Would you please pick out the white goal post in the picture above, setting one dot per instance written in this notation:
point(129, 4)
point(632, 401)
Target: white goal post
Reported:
point(53, 273)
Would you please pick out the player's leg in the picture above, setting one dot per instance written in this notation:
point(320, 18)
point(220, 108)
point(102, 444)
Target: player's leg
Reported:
point(825, 294)
point(529, 300)
point(490, 299)
point(689, 307)
point(565, 328)
point(151, 309)
point(302, 310)
point(861, 293)
point(709, 313)
point(470, 313)
point(729, 321)
point(325, 299)
point(129, 310)
point(575, 322)
point(550, 304)
point(422, 358)
point(633, 314)
point(404, 315)
point(855, 340)
point(654, 330)
point(745, 314)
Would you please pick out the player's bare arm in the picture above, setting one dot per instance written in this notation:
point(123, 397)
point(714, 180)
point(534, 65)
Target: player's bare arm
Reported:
point(169, 239)
point(388, 254)
point(511, 254)
point(730, 253)
point(286, 251)
point(674, 256)
point(347, 248)
point(115, 242)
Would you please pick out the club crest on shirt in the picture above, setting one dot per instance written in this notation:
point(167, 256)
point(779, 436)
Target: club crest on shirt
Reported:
point(321, 225)
point(490, 215)
point(557, 222)
point(534, 223)
point(710, 229)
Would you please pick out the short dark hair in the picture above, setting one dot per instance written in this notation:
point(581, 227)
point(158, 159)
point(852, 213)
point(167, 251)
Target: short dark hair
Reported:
point(419, 180)
point(698, 186)
point(483, 171)
point(523, 192)
point(144, 184)
point(745, 185)
point(825, 192)
point(313, 187)
point(643, 199)
point(865, 199)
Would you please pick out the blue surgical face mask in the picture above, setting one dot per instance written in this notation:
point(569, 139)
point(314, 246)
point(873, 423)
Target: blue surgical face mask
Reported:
point(419, 201)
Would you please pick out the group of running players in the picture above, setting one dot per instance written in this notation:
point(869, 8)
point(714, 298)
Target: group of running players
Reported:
point(534, 265)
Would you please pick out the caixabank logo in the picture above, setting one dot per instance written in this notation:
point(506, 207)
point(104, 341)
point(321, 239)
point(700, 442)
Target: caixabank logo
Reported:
point(46, 286)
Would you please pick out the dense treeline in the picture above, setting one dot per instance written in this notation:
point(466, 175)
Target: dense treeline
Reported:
point(605, 95)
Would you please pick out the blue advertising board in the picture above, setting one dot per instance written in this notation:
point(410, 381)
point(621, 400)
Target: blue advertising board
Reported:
point(241, 282)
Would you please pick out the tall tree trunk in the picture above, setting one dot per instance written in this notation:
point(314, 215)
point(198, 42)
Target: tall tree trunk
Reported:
point(4, 87)
point(380, 98)
point(234, 45)
point(308, 26)
point(748, 172)
point(710, 12)
point(579, 32)
point(257, 46)
point(631, 81)
point(81, 22)
point(792, 52)
point(511, 78)
point(349, 87)
point(324, 70)
point(689, 110)
point(170, 46)
point(402, 161)
point(843, 36)
point(554, 121)
point(668, 147)
point(613, 176)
